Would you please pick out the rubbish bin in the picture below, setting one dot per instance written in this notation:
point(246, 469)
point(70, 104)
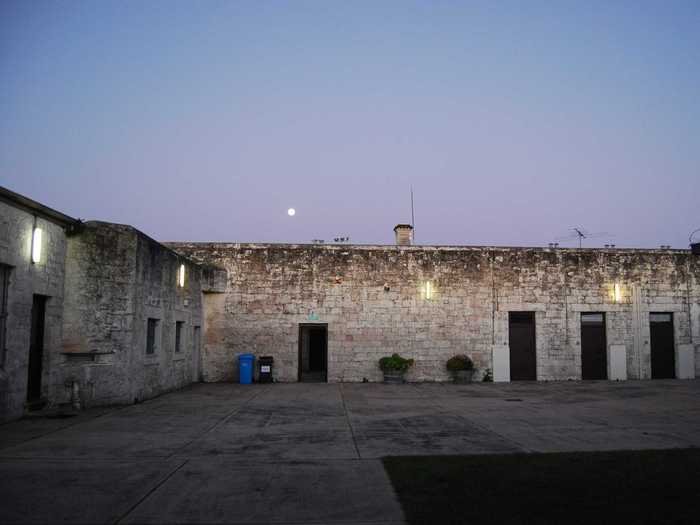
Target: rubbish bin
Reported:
point(245, 368)
point(265, 371)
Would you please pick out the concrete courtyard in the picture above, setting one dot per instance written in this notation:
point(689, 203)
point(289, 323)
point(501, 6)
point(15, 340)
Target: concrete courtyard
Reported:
point(308, 453)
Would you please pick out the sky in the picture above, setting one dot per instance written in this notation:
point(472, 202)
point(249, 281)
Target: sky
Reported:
point(205, 121)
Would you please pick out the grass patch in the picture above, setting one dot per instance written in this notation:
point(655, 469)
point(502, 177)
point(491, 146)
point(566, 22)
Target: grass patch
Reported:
point(647, 486)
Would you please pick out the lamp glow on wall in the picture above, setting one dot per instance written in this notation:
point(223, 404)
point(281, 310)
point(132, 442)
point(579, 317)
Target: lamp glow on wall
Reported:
point(428, 290)
point(617, 293)
point(36, 245)
point(181, 276)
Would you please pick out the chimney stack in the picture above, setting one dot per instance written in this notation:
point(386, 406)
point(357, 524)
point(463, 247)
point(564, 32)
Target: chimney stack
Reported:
point(404, 234)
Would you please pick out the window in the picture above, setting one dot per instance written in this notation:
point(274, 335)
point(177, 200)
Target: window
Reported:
point(178, 336)
point(592, 319)
point(4, 282)
point(660, 318)
point(151, 332)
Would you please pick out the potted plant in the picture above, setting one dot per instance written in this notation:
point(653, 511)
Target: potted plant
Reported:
point(394, 368)
point(461, 367)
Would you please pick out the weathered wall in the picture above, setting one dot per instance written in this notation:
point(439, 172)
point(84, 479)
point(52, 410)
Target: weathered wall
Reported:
point(273, 288)
point(45, 277)
point(159, 296)
point(116, 279)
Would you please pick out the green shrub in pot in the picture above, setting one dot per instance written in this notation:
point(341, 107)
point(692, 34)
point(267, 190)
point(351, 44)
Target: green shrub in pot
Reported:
point(462, 368)
point(394, 368)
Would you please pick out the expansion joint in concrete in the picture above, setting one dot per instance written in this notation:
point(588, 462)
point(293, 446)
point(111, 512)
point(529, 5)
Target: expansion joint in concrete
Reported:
point(153, 489)
point(347, 418)
point(216, 425)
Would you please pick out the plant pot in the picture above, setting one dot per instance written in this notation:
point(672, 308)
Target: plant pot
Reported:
point(462, 377)
point(393, 377)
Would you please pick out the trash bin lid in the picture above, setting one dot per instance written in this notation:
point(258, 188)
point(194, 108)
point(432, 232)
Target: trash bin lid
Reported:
point(246, 356)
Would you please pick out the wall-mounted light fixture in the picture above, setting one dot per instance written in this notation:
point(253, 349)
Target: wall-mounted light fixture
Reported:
point(617, 293)
point(181, 276)
point(428, 290)
point(36, 245)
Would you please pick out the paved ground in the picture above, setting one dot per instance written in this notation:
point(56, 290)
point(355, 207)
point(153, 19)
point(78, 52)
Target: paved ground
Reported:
point(308, 453)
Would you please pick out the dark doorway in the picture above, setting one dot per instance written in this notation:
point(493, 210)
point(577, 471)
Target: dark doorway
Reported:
point(313, 352)
point(196, 353)
point(36, 349)
point(663, 359)
point(521, 338)
point(594, 361)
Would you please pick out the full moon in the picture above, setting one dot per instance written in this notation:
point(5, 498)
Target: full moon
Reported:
point(291, 212)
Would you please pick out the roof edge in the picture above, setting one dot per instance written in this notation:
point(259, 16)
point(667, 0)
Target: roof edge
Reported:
point(34, 207)
point(413, 247)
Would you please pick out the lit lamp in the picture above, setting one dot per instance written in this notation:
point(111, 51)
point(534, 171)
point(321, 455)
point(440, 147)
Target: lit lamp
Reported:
point(617, 293)
point(428, 290)
point(36, 245)
point(181, 276)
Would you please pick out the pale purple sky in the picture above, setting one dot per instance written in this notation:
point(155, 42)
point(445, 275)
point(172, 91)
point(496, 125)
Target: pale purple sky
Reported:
point(205, 121)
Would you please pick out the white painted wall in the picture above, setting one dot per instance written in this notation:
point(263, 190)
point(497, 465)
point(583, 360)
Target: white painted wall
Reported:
point(501, 363)
point(617, 362)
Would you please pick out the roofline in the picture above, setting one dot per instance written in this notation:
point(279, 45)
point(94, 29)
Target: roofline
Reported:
point(36, 208)
point(147, 237)
point(412, 247)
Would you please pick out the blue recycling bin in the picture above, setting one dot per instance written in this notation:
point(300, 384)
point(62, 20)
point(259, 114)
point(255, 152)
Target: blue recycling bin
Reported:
point(245, 368)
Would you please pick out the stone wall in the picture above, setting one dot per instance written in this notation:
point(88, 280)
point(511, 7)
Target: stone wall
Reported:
point(116, 279)
point(45, 277)
point(373, 299)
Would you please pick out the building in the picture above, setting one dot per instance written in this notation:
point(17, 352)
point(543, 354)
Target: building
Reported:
point(92, 313)
point(33, 244)
point(96, 313)
point(524, 313)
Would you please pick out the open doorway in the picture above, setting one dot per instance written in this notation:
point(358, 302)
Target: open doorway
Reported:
point(36, 352)
point(663, 355)
point(313, 352)
point(594, 358)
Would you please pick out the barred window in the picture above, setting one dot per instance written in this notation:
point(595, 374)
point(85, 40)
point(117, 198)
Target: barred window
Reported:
point(151, 336)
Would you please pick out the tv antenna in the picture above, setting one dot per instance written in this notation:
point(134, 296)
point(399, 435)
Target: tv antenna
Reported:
point(692, 234)
point(580, 234)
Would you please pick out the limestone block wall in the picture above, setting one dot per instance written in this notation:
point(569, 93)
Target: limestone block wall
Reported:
point(26, 279)
point(117, 278)
point(373, 299)
point(694, 301)
point(158, 296)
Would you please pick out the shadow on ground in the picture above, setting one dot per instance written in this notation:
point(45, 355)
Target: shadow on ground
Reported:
point(650, 486)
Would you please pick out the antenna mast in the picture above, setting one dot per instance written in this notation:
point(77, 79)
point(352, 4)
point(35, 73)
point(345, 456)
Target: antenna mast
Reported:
point(413, 221)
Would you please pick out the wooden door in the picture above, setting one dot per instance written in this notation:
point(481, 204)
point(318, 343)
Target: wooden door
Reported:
point(521, 338)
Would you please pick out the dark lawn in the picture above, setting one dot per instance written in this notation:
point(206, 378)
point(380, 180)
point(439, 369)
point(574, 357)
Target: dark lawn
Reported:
point(649, 486)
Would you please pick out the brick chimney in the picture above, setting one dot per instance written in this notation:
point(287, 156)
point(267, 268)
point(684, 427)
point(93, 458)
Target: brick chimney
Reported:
point(404, 234)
